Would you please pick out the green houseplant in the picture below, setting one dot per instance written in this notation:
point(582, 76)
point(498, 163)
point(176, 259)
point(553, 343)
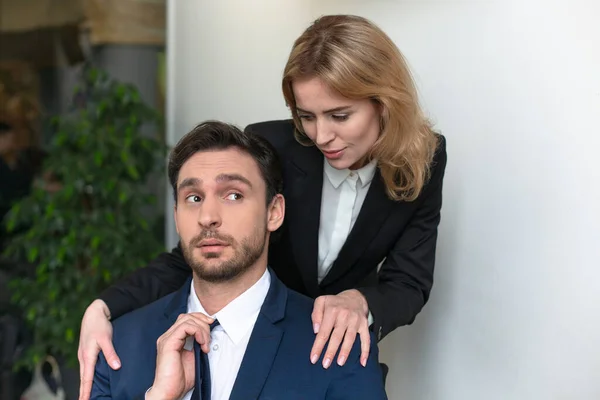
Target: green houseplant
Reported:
point(85, 224)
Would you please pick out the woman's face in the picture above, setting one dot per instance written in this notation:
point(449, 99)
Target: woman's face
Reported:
point(344, 130)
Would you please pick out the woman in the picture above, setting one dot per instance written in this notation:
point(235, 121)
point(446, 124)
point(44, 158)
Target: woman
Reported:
point(363, 172)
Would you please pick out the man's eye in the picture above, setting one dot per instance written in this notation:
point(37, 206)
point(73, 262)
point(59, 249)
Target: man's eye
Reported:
point(193, 198)
point(234, 196)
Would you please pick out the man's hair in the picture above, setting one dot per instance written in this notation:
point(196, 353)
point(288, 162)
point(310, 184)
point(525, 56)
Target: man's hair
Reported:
point(215, 135)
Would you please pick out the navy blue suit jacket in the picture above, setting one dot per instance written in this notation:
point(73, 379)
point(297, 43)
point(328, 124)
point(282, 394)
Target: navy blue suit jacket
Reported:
point(276, 364)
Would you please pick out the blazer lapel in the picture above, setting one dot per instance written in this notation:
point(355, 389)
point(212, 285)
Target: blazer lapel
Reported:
point(263, 345)
point(373, 214)
point(305, 184)
point(178, 304)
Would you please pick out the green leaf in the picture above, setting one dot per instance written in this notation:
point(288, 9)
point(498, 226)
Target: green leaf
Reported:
point(91, 233)
point(32, 254)
point(98, 158)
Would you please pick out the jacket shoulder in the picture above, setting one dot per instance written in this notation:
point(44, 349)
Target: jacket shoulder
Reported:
point(278, 132)
point(131, 324)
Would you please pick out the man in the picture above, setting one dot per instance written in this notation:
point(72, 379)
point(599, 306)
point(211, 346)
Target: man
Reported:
point(227, 186)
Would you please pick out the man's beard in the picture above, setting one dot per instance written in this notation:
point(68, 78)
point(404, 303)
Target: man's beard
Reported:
point(246, 253)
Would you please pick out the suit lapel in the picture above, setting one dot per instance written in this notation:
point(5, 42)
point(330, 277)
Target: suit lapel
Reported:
point(178, 304)
point(304, 187)
point(373, 214)
point(263, 345)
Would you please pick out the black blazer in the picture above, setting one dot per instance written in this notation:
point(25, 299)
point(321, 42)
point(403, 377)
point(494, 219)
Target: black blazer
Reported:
point(401, 236)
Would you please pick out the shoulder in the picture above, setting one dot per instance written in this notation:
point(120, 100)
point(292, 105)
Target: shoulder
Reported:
point(130, 325)
point(280, 133)
point(439, 159)
point(437, 168)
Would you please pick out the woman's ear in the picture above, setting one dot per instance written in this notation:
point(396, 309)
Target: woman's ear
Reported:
point(276, 213)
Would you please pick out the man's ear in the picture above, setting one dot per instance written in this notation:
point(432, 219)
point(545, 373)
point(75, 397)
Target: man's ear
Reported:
point(276, 213)
point(175, 218)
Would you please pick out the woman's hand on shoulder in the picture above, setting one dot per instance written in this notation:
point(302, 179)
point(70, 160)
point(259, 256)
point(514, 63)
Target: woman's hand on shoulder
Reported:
point(95, 336)
point(338, 319)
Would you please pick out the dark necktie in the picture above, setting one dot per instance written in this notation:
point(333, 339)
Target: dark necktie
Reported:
point(202, 383)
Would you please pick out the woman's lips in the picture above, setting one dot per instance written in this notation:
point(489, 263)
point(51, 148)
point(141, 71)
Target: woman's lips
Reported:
point(333, 155)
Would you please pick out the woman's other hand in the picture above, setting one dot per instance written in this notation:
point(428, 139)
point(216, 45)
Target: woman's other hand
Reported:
point(95, 336)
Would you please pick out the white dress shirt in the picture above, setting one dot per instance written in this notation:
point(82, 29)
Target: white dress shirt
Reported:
point(344, 192)
point(230, 338)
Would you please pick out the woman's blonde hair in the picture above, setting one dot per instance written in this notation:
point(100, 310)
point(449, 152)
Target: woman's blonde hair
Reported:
point(358, 60)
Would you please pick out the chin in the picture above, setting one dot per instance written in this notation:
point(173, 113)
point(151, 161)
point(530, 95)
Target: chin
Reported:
point(341, 163)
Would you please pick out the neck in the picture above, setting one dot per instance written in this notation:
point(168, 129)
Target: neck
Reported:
point(215, 296)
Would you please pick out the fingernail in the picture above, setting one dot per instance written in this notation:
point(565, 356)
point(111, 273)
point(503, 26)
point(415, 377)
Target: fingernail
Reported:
point(316, 328)
point(116, 364)
point(341, 360)
point(327, 363)
point(363, 362)
point(314, 358)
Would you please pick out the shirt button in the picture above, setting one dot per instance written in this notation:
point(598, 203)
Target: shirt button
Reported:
point(216, 347)
point(351, 173)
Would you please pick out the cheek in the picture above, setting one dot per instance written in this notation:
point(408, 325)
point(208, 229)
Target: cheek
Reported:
point(185, 220)
point(369, 132)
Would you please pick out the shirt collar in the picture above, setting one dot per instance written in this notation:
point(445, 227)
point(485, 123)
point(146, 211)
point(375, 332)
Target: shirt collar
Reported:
point(239, 316)
point(337, 176)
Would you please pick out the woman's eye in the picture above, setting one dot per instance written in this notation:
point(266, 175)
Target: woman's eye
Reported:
point(234, 196)
point(340, 117)
point(193, 198)
point(306, 117)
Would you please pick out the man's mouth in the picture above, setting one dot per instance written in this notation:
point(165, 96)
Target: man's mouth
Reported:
point(211, 245)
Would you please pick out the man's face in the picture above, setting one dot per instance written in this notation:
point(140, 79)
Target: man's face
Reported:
point(221, 213)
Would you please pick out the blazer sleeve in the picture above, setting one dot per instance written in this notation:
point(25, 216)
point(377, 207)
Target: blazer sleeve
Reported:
point(358, 382)
point(406, 275)
point(163, 275)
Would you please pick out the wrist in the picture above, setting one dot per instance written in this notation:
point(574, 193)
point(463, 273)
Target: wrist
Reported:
point(102, 307)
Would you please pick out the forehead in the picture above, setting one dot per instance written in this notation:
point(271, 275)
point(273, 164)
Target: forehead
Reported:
point(207, 165)
point(313, 93)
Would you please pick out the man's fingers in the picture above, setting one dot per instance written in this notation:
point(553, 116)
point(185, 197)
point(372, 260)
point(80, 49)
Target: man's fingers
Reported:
point(203, 338)
point(365, 344)
point(318, 312)
point(175, 339)
point(197, 316)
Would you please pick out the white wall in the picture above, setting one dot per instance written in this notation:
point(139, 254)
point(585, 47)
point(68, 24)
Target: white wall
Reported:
point(515, 87)
point(225, 61)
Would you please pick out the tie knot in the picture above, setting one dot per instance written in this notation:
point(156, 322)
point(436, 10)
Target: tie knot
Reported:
point(214, 324)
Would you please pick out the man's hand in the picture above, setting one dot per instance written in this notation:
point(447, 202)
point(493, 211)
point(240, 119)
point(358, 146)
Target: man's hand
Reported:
point(345, 314)
point(96, 335)
point(175, 367)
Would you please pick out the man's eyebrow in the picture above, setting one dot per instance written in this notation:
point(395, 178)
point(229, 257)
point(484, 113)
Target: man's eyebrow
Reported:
point(331, 110)
point(234, 177)
point(189, 182)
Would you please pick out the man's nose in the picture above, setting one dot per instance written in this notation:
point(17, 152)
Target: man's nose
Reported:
point(210, 215)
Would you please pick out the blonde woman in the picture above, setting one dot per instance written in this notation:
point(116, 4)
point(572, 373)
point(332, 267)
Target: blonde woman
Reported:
point(363, 173)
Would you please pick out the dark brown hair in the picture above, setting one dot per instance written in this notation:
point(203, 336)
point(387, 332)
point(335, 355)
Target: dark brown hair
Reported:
point(215, 135)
